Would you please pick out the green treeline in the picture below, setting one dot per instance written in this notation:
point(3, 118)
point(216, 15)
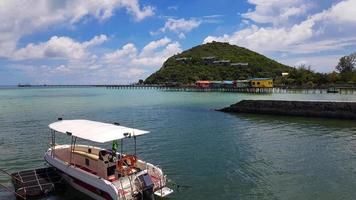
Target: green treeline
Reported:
point(303, 76)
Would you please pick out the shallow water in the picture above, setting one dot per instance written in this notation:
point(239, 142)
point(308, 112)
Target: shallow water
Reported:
point(219, 155)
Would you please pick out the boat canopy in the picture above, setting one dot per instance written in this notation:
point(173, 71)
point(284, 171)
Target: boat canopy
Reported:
point(95, 131)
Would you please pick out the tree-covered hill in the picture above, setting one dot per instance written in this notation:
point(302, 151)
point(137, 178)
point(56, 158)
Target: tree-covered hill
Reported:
point(216, 61)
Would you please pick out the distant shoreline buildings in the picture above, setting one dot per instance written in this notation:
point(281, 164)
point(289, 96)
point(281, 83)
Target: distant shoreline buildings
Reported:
point(254, 83)
point(212, 60)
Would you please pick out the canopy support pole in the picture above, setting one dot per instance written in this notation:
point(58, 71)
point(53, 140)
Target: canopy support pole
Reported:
point(121, 146)
point(71, 152)
point(72, 147)
point(53, 143)
point(135, 144)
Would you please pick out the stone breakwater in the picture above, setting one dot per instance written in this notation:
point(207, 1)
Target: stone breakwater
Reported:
point(326, 109)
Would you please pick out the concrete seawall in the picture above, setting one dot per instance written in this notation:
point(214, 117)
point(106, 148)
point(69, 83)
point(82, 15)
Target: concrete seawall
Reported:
point(326, 109)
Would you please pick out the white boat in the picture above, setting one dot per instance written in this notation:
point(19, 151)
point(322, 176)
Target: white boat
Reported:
point(104, 173)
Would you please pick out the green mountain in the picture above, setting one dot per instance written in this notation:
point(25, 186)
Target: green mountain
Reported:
point(216, 61)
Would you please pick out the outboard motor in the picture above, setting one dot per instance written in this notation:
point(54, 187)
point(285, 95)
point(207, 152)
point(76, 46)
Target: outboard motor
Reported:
point(146, 185)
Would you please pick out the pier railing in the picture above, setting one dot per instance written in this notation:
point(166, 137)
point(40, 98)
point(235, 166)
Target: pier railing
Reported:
point(256, 90)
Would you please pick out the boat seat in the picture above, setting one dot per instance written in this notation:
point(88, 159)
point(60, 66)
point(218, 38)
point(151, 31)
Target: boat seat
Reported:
point(86, 154)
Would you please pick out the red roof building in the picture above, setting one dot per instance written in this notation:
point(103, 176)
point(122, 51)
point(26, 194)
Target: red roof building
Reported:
point(202, 84)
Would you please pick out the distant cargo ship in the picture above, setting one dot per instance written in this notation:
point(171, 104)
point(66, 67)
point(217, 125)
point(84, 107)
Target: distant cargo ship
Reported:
point(23, 85)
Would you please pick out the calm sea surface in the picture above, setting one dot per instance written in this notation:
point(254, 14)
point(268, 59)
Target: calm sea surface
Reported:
point(218, 155)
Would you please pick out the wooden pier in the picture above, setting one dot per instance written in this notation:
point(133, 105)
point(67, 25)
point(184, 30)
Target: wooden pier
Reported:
point(192, 89)
point(253, 90)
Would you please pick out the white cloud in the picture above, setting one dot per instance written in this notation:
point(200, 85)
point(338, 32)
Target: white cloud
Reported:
point(317, 63)
point(275, 11)
point(128, 51)
point(97, 40)
point(123, 65)
point(212, 19)
point(182, 26)
point(265, 39)
point(172, 7)
point(152, 46)
point(285, 27)
point(343, 12)
point(319, 32)
point(181, 36)
point(19, 18)
point(58, 47)
point(323, 45)
point(133, 7)
point(151, 55)
point(156, 58)
point(179, 26)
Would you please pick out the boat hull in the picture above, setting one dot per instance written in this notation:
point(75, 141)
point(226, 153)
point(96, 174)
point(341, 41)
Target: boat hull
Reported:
point(88, 177)
point(83, 181)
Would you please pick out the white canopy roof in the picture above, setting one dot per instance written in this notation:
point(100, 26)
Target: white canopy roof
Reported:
point(95, 131)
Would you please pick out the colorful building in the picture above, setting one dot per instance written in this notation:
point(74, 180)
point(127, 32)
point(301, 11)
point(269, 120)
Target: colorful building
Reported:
point(242, 83)
point(202, 84)
point(261, 82)
point(254, 82)
point(216, 84)
point(228, 84)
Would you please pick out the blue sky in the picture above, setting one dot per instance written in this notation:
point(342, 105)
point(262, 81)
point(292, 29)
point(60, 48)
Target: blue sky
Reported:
point(121, 41)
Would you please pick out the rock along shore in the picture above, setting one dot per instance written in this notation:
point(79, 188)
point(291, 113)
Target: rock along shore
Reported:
point(326, 109)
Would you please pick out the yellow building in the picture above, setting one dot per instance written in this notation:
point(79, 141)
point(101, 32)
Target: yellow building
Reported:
point(261, 82)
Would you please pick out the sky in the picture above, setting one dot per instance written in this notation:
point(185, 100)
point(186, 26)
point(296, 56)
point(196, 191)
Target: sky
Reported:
point(122, 41)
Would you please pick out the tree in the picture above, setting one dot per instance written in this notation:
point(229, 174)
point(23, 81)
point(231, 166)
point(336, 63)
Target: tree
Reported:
point(346, 63)
point(353, 60)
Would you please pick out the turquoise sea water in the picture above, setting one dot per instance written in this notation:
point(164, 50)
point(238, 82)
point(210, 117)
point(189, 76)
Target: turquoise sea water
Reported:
point(219, 155)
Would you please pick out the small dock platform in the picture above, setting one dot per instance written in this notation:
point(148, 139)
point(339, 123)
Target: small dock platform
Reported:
point(36, 183)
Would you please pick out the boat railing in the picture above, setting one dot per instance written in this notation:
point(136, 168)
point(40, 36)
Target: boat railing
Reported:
point(160, 186)
point(131, 185)
point(162, 178)
point(8, 188)
point(122, 191)
point(160, 175)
